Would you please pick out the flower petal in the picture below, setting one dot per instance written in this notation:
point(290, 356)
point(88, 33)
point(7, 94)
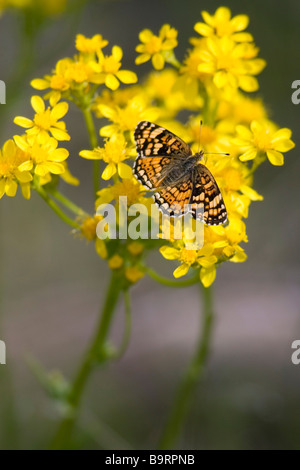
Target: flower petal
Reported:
point(158, 61)
point(25, 188)
point(23, 122)
point(276, 158)
point(39, 84)
point(59, 110)
point(59, 155)
point(109, 171)
point(169, 252)
point(26, 166)
point(11, 188)
point(59, 134)
point(90, 154)
point(207, 261)
point(283, 133)
point(203, 29)
point(124, 170)
point(126, 76)
point(111, 81)
point(140, 59)
point(250, 193)
point(240, 22)
point(145, 35)
point(55, 168)
point(284, 145)
point(249, 155)
point(208, 275)
point(181, 270)
point(38, 104)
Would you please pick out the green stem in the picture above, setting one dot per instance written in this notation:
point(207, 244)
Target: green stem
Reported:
point(170, 282)
point(95, 354)
point(44, 195)
point(127, 328)
point(191, 378)
point(88, 117)
point(68, 203)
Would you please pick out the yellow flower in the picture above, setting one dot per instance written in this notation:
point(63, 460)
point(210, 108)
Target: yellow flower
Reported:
point(43, 155)
point(68, 177)
point(90, 45)
point(221, 24)
point(133, 274)
point(241, 109)
point(157, 48)
point(115, 262)
point(45, 120)
point(212, 138)
point(229, 64)
point(58, 82)
point(128, 187)
point(262, 139)
point(113, 153)
point(101, 248)
point(135, 248)
point(88, 227)
point(173, 93)
point(126, 118)
point(225, 240)
point(11, 158)
point(188, 258)
point(208, 275)
point(108, 70)
point(119, 97)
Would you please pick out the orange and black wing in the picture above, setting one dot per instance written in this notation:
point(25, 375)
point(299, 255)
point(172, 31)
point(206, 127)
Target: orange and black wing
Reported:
point(158, 149)
point(173, 201)
point(206, 200)
point(153, 140)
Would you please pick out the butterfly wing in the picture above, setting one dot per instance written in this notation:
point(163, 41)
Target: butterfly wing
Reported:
point(153, 140)
point(206, 200)
point(158, 149)
point(151, 171)
point(173, 200)
point(159, 154)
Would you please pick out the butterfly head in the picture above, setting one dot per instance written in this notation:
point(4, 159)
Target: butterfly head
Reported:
point(198, 156)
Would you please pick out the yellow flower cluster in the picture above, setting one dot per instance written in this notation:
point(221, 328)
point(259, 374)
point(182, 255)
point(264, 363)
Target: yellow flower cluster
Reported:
point(34, 157)
point(157, 48)
point(77, 79)
point(213, 84)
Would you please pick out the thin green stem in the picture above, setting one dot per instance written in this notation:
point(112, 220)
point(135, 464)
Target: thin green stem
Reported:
point(44, 195)
point(190, 379)
point(170, 282)
point(68, 203)
point(127, 327)
point(88, 117)
point(95, 354)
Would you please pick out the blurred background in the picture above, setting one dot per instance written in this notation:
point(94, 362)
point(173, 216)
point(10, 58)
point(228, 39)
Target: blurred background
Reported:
point(52, 284)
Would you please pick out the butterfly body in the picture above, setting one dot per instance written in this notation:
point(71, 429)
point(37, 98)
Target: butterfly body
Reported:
point(166, 164)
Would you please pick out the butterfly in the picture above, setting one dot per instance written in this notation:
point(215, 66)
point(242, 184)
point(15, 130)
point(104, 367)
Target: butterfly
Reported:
point(181, 184)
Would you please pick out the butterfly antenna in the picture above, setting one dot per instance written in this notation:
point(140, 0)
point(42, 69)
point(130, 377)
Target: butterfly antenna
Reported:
point(201, 122)
point(216, 153)
point(209, 153)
